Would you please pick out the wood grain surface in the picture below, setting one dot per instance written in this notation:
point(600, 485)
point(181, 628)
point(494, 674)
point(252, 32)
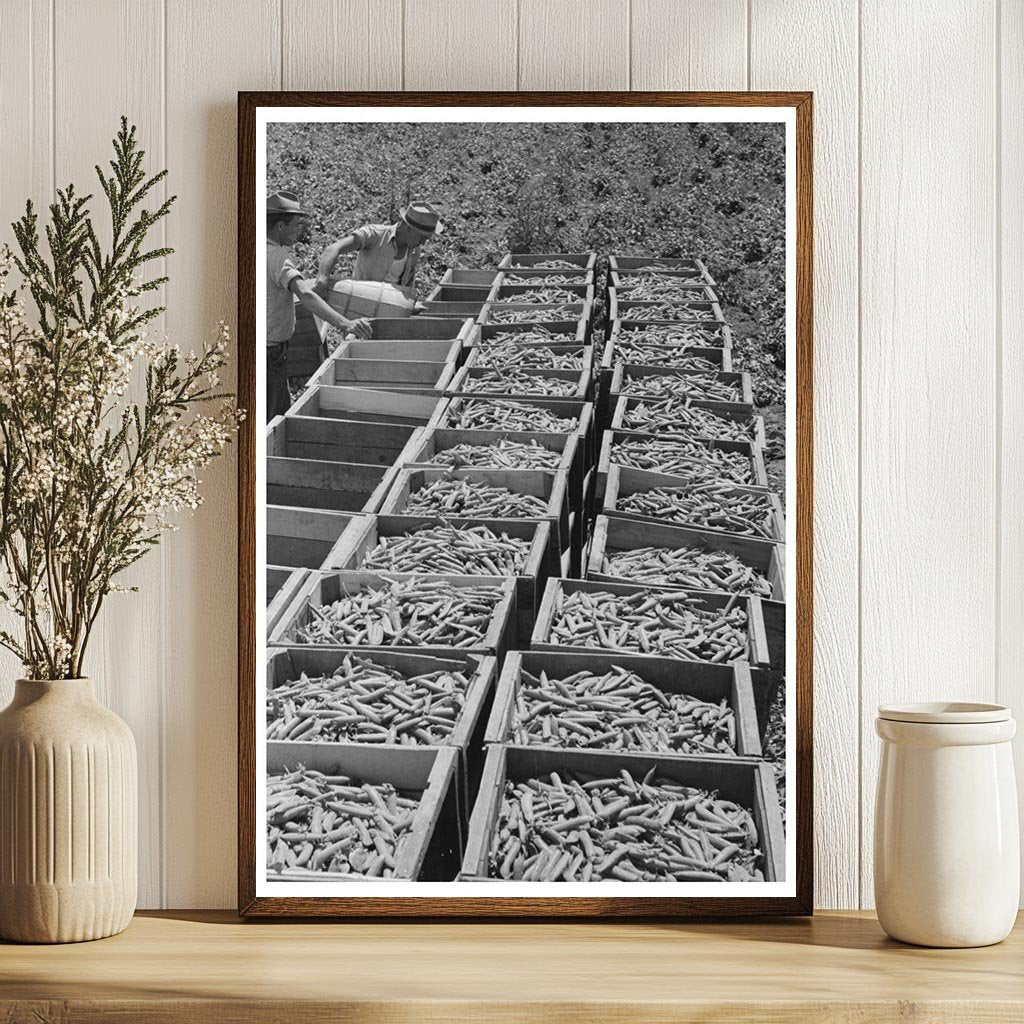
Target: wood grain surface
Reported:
point(1009, 271)
point(200, 967)
point(577, 44)
point(830, 69)
point(331, 41)
point(198, 645)
point(928, 368)
point(129, 670)
point(699, 44)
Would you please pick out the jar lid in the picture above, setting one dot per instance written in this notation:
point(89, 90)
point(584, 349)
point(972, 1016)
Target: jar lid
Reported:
point(945, 713)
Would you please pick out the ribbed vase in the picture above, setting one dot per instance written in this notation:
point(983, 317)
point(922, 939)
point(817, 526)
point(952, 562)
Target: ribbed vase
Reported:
point(68, 815)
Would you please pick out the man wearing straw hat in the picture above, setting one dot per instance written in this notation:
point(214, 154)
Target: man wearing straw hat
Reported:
point(387, 252)
point(287, 222)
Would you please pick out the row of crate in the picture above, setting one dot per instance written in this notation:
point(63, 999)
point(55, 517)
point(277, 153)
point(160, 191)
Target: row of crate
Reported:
point(328, 399)
point(458, 784)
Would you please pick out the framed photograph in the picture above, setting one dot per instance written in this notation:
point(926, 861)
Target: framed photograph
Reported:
point(525, 500)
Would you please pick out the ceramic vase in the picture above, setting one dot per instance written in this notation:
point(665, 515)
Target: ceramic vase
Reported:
point(947, 847)
point(68, 815)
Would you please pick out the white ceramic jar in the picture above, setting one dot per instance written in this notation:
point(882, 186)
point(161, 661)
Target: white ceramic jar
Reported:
point(947, 846)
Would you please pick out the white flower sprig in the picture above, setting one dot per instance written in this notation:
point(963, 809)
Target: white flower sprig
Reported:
point(90, 478)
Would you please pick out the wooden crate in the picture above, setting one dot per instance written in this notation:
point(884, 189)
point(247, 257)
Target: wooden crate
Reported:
point(444, 350)
point(423, 328)
point(611, 355)
point(542, 559)
point(775, 629)
point(301, 538)
point(556, 312)
point(610, 438)
point(339, 486)
point(438, 439)
point(582, 412)
point(319, 483)
point(624, 373)
point(417, 377)
point(466, 275)
point(367, 405)
point(635, 263)
point(283, 583)
point(434, 853)
point(613, 535)
point(578, 313)
point(618, 307)
point(552, 486)
point(754, 424)
point(460, 292)
point(286, 664)
point(477, 358)
point(583, 260)
point(467, 310)
point(516, 275)
point(748, 783)
point(337, 440)
point(306, 350)
point(573, 331)
point(625, 480)
point(324, 587)
point(698, 679)
point(699, 291)
point(580, 379)
point(758, 653)
point(503, 292)
point(709, 336)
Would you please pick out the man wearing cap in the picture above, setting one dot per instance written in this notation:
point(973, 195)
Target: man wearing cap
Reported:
point(387, 252)
point(287, 222)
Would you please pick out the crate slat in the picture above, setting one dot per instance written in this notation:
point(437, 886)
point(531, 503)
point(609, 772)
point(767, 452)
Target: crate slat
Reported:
point(736, 779)
point(417, 377)
point(283, 583)
point(433, 853)
point(299, 436)
point(367, 405)
point(323, 587)
point(301, 538)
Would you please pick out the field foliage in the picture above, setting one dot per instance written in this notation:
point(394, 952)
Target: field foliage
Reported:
point(713, 191)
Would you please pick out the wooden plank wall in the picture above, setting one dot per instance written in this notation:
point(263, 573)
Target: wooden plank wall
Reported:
point(919, 465)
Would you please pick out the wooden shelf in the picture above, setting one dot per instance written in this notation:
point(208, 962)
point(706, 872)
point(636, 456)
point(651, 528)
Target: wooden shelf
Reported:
point(209, 966)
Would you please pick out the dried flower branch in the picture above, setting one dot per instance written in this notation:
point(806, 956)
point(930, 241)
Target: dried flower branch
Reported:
point(89, 477)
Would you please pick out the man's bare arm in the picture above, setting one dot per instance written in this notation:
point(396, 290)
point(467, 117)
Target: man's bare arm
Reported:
point(318, 307)
point(347, 244)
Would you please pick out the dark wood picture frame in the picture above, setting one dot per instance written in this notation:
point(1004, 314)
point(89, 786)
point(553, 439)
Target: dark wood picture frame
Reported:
point(799, 816)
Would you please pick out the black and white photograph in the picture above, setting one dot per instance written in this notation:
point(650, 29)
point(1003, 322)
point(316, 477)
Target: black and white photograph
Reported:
point(525, 478)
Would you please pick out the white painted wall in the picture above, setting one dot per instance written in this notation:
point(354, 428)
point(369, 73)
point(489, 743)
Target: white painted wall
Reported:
point(919, 465)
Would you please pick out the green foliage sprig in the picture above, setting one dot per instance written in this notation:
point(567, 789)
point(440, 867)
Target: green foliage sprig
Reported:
point(89, 476)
